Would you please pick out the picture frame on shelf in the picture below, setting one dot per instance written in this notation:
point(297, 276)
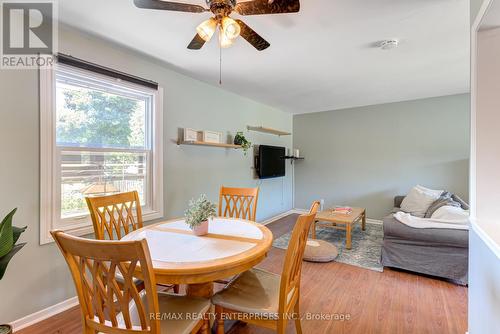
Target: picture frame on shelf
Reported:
point(212, 136)
point(190, 134)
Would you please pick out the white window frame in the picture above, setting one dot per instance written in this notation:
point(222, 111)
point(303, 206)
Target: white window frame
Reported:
point(50, 216)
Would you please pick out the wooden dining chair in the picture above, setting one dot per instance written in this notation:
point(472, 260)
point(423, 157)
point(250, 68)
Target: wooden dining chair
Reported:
point(263, 298)
point(109, 307)
point(315, 207)
point(114, 216)
point(238, 202)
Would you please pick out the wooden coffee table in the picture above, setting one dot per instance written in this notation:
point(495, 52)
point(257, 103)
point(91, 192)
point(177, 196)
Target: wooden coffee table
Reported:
point(340, 222)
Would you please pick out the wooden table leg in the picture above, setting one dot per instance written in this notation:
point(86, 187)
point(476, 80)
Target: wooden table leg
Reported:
point(348, 236)
point(313, 230)
point(363, 221)
point(204, 290)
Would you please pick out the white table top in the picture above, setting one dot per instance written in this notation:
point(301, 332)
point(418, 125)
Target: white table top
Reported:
point(173, 243)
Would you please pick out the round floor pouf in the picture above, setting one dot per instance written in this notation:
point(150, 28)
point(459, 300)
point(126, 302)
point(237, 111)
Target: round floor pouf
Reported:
point(5, 329)
point(320, 251)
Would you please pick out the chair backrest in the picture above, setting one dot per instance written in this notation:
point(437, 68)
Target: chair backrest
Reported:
point(114, 216)
point(290, 276)
point(109, 306)
point(238, 202)
point(315, 207)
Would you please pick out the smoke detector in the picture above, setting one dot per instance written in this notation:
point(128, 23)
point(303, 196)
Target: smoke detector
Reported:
point(389, 44)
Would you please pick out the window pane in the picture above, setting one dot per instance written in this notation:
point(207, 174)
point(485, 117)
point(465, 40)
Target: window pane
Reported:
point(98, 173)
point(93, 118)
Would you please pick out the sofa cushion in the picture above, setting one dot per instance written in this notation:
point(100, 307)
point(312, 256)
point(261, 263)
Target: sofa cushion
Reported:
point(399, 232)
point(398, 200)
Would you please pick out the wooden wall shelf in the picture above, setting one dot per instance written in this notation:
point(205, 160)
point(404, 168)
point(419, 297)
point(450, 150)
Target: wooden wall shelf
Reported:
point(268, 130)
point(292, 158)
point(202, 143)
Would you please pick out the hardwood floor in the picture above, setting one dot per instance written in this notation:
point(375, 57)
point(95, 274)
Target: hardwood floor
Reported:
point(388, 302)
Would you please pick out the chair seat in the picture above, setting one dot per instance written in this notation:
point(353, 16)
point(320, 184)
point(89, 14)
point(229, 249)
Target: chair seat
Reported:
point(138, 282)
point(119, 278)
point(185, 306)
point(177, 313)
point(255, 291)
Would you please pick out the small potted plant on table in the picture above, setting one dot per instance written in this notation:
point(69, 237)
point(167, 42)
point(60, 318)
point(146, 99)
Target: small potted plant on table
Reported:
point(8, 237)
point(199, 212)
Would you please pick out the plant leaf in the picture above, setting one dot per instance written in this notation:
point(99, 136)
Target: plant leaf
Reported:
point(6, 234)
point(17, 232)
point(4, 261)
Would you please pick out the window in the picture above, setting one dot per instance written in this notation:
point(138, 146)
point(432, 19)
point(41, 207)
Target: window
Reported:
point(99, 135)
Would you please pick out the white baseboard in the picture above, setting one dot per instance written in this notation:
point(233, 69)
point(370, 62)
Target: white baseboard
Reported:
point(284, 214)
point(299, 211)
point(374, 221)
point(274, 218)
point(50, 311)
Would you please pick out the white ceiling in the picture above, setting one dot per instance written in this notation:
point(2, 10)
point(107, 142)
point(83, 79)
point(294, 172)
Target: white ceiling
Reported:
point(322, 58)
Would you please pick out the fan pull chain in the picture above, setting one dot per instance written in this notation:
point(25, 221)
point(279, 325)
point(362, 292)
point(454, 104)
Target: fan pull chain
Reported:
point(220, 65)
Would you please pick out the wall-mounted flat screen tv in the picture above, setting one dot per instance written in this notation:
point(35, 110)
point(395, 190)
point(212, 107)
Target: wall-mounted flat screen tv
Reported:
point(270, 162)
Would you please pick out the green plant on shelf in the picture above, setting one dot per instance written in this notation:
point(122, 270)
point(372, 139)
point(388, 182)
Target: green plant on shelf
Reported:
point(240, 139)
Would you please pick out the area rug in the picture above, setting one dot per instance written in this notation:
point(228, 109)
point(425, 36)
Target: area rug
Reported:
point(366, 245)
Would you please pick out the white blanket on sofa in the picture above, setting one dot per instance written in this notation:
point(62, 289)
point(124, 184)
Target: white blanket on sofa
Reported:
point(445, 217)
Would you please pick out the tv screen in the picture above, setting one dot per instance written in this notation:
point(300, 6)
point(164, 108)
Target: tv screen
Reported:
point(271, 162)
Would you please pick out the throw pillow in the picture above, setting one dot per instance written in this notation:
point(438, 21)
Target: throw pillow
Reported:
point(432, 192)
point(418, 200)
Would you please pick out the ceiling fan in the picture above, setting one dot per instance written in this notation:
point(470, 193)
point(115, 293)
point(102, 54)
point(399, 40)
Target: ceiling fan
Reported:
point(229, 29)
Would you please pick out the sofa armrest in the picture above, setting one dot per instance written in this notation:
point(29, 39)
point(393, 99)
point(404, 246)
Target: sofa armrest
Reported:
point(398, 200)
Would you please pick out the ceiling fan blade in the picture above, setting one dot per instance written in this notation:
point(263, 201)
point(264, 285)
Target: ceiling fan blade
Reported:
point(167, 5)
point(259, 7)
point(252, 37)
point(197, 43)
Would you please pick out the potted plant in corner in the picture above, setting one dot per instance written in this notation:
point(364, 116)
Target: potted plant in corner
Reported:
point(8, 237)
point(199, 212)
point(240, 139)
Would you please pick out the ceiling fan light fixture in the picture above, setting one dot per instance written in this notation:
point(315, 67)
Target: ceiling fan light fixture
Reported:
point(224, 41)
point(230, 27)
point(207, 29)
point(221, 10)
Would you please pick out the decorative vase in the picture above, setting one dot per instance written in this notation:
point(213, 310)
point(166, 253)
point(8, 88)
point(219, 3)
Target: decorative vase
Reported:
point(201, 229)
point(5, 329)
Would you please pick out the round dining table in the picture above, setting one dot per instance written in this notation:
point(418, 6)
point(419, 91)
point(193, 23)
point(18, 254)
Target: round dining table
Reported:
point(231, 247)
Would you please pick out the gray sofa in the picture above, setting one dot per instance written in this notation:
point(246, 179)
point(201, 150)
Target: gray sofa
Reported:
point(437, 252)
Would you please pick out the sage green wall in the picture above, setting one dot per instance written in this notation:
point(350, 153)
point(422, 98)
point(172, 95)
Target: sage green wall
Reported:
point(365, 156)
point(38, 277)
